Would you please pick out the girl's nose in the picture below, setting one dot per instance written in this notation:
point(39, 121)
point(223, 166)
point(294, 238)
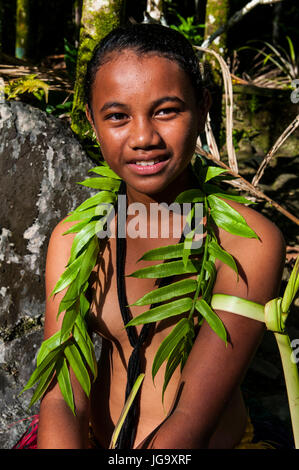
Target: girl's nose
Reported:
point(143, 134)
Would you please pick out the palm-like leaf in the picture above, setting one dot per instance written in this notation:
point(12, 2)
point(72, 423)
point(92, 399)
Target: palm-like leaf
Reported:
point(72, 346)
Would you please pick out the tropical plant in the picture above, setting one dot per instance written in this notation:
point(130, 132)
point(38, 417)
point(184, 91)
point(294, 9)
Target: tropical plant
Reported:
point(70, 57)
point(274, 65)
point(27, 84)
point(125, 410)
point(274, 314)
point(189, 29)
point(61, 109)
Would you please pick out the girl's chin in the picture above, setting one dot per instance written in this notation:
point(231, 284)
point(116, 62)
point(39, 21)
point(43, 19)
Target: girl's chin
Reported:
point(164, 183)
point(162, 190)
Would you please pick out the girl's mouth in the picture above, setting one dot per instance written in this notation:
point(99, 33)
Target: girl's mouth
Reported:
point(148, 167)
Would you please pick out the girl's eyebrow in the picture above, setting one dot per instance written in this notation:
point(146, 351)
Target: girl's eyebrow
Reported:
point(158, 102)
point(112, 104)
point(168, 98)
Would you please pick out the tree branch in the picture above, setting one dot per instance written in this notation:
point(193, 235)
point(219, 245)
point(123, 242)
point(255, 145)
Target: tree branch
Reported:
point(236, 18)
point(243, 184)
point(288, 131)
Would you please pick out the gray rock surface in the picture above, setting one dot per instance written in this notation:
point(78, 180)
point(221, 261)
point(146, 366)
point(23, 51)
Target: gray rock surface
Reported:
point(40, 162)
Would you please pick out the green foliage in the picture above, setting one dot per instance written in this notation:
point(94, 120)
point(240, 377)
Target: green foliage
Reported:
point(95, 24)
point(61, 109)
point(70, 57)
point(125, 410)
point(274, 314)
point(241, 134)
point(276, 57)
point(176, 346)
point(285, 59)
point(193, 32)
point(71, 347)
point(253, 105)
point(27, 84)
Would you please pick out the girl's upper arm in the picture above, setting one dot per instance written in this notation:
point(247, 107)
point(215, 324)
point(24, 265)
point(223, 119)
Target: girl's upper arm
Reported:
point(213, 370)
point(58, 253)
point(58, 427)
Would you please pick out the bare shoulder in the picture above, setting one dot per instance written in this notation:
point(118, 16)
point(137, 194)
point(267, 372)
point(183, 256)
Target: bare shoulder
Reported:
point(58, 237)
point(269, 236)
point(59, 250)
point(260, 260)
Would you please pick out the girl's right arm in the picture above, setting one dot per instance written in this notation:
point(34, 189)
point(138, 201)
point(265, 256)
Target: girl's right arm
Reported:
point(58, 427)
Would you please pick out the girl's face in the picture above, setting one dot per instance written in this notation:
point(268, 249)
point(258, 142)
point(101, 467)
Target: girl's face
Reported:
point(146, 120)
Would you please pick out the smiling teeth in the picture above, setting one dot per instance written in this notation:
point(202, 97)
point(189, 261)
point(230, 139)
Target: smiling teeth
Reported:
point(147, 163)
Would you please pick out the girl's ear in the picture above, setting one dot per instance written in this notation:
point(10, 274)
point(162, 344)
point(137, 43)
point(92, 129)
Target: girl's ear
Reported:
point(203, 109)
point(89, 115)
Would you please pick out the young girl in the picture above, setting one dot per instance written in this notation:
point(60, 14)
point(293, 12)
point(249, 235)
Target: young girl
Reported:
point(147, 106)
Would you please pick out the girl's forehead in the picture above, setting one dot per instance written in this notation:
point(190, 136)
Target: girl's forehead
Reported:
point(127, 69)
point(131, 56)
point(129, 59)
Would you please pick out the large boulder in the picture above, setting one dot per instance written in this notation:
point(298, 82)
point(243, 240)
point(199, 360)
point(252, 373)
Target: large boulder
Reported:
point(40, 163)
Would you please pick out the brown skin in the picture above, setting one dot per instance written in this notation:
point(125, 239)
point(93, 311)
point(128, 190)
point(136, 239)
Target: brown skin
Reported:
point(203, 406)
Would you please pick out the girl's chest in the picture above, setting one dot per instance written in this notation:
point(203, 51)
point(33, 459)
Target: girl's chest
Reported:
point(106, 312)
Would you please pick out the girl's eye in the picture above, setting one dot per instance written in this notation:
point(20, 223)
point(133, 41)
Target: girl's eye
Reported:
point(167, 112)
point(116, 117)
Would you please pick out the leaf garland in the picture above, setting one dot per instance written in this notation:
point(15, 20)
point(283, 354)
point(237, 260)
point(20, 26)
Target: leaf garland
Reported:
point(175, 348)
point(72, 347)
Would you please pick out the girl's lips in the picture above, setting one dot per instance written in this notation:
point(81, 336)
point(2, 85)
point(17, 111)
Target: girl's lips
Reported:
point(148, 169)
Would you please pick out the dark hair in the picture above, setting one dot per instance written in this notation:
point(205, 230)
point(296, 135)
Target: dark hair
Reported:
point(144, 39)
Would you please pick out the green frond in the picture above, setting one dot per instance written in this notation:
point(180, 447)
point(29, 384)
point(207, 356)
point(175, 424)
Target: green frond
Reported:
point(71, 347)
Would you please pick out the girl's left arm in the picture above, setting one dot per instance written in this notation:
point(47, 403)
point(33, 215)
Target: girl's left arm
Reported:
point(214, 371)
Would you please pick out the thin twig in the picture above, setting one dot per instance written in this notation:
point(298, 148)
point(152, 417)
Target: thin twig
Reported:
point(245, 185)
point(210, 138)
point(286, 133)
point(228, 94)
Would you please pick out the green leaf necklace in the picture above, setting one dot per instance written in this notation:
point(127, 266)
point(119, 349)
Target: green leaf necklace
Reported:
point(71, 347)
point(128, 431)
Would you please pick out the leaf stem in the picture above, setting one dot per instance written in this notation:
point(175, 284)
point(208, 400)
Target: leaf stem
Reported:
point(202, 269)
point(125, 410)
point(291, 376)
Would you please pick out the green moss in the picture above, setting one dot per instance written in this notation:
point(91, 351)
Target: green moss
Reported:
point(22, 28)
point(24, 326)
point(216, 15)
point(95, 27)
